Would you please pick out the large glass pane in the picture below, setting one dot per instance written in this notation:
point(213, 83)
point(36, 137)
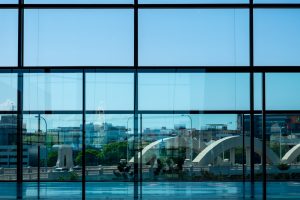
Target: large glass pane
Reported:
point(276, 1)
point(8, 94)
point(191, 1)
point(54, 143)
point(79, 37)
point(78, 1)
point(181, 153)
point(8, 148)
point(8, 1)
point(8, 37)
point(283, 141)
point(257, 91)
point(109, 91)
point(8, 190)
point(193, 91)
point(52, 91)
point(197, 37)
point(276, 40)
point(281, 91)
point(52, 190)
point(109, 147)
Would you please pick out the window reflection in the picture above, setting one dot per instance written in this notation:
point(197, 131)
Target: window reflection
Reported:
point(54, 143)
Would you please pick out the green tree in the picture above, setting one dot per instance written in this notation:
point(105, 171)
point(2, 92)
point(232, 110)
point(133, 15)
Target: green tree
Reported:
point(52, 158)
point(113, 152)
point(91, 157)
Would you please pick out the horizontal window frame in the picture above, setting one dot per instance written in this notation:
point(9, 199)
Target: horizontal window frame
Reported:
point(117, 112)
point(150, 69)
point(153, 6)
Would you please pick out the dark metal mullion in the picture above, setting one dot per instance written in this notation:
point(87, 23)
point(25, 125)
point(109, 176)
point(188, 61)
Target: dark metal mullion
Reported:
point(69, 112)
point(173, 112)
point(135, 116)
point(20, 101)
point(243, 154)
point(83, 179)
point(252, 125)
point(153, 6)
point(264, 158)
point(274, 112)
point(141, 156)
point(158, 69)
point(194, 112)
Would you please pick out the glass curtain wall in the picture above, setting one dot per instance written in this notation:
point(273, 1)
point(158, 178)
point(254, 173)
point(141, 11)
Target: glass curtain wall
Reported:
point(149, 99)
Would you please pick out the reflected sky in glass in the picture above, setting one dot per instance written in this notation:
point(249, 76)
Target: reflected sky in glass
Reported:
point(8, 1)
point(8, 94)
point(191, 1)
point(78, 1)
point(197, 37)
point(276, 37)
point(75, 37)
point(53, 91)
point(282, 91)
point(276, 1)
point(8, 37)
point(49, 42)
point(112, 91)
point(194, 91)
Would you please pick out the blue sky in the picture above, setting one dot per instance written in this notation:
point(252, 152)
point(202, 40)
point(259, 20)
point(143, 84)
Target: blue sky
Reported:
point(166, 37)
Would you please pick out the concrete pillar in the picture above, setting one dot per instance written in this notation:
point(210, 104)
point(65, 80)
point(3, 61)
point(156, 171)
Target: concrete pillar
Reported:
point(65, 156)
point(232, 156)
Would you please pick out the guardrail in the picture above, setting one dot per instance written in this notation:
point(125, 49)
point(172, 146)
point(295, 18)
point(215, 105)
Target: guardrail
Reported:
point(31, 173)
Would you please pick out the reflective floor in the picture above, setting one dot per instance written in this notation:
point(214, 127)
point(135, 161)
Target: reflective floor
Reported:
point(151, 190)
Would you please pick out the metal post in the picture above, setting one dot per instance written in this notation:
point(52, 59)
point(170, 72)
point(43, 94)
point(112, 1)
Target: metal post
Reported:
point(252, 124)
point(264, 143)
point(280, 148)
point(46, 131)
point(39, 155)
point(141, 155)
point(127, 154)
point(20, 100)
point(135, 125)
point(191, 138)
point(83, 137)
point(243, 154)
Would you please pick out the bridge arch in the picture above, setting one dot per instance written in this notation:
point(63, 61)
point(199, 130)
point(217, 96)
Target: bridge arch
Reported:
point(212, 151)
point(291, 155)
point(153, 148)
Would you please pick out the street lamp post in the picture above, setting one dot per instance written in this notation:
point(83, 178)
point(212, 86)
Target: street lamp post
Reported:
point(46, 127)
point(127, 154)
point(280, 141)
point(191, 137)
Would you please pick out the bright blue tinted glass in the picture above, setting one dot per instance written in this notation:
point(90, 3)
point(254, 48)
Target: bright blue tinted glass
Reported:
point(53, 91)
point(282, 91)
point(191, 1)
point(78, 1)
point(79, 37)
point(8, 94)
point(257, 91)
point(276, 1)
point(276, 37)
point(197, 37)
point(8, 37)
point(193, 91)
point(8, 1)
point(105, 91)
